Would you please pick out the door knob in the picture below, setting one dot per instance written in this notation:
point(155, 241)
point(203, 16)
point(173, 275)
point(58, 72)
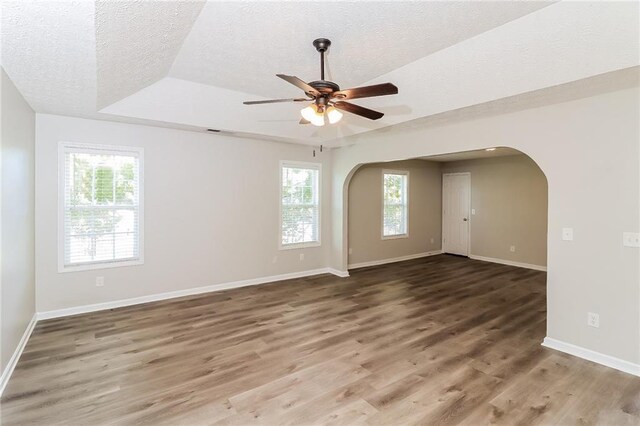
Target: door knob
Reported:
point(465, 219)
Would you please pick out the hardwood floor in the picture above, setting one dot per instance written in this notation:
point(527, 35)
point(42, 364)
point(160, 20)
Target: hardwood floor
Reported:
point(439, 340)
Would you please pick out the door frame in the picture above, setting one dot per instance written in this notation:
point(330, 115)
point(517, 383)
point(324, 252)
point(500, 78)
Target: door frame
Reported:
point(468, 215)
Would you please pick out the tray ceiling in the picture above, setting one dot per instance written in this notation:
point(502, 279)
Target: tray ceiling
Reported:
point(192, 63)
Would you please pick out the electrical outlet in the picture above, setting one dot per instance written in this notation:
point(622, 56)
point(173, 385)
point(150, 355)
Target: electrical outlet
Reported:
point(512, 249)
point(301, 257)
point(99, 281)
point(350, 250)
point(432, 240)
point(275, 259)
point(631, 239)
point(593, 320)
point(567, 234)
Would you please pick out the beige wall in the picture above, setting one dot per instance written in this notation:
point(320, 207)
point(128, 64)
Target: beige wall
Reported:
point(365, 212)
point(509, 195)
point(17, 295)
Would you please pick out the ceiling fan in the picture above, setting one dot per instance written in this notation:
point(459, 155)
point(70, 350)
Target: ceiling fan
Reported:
point(327, 97)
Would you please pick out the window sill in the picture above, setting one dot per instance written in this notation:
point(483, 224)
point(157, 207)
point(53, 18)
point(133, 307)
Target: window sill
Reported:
point(99, 265)
point(395, 237)
point(299, 245)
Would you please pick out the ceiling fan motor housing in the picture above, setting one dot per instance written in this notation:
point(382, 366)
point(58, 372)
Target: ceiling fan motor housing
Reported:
point(324, 86)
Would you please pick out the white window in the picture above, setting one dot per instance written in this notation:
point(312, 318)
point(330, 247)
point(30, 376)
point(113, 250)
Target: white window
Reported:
point(100, 197)
point(299, 205)
point(395, 204)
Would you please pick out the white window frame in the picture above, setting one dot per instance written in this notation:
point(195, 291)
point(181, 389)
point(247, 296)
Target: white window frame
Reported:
point(300, 165)
point(108, 150)
point(406, 234)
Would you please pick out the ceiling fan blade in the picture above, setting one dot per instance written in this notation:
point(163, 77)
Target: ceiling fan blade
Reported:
point(299, 84)
point(303, 121)
point(273, 101)
point(358, 110)
point(367, 91)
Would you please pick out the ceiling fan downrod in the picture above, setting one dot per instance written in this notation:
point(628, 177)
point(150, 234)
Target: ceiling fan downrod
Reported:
point(321, 45)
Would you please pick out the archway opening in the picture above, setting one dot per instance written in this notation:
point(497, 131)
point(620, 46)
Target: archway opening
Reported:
point(502, 216)
point(397, 214)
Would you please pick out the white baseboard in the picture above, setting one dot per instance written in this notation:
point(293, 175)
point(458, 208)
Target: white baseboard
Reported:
point(508, 262)
point(393, 259)
point(181, 293)
point(588, 354)
point(6, 374)
point(341, 274)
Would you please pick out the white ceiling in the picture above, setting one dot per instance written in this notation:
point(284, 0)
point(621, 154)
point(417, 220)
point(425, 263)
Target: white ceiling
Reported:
point(473, 155)
point(49, 51)
point(136, 43)
point(190, 64)
point(242, 45)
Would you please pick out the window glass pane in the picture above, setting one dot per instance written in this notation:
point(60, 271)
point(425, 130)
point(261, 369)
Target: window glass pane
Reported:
point(80, 173)
point(90, 221)
point(125, 180)
point(299, 205)
point(104, 247)
point(103, 176)
point(101, 220)
point(393, 189)
point(79, 248)
point(125, 220)
point(90, 248)
point(394, 204)
point(125, 245)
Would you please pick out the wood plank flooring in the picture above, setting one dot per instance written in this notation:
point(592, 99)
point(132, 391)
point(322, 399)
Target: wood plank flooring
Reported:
point(438, 340)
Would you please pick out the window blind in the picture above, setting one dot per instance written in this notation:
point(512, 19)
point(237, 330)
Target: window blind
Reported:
point(300, 204)
point(395, 204)
point(101, 206)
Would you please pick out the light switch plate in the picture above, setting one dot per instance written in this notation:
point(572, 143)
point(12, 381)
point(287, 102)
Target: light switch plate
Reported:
point(631, 239)
point(593, 319)
point(473, 211)
point(567, 234)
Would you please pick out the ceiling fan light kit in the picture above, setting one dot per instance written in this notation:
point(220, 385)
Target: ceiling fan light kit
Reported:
point(317, 117)
point(327, 98)
point(313, 115)
point(333, 115)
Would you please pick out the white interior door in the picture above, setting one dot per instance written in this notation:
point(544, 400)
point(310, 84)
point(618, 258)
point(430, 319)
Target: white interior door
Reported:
point(456, 195)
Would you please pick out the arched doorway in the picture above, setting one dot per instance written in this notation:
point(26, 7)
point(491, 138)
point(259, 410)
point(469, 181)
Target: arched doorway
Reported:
point(503, 213)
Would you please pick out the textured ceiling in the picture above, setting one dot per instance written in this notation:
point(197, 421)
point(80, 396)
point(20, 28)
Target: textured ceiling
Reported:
point(136, 43)
point(48, 51)
point(190, 64)
point(242, 45)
